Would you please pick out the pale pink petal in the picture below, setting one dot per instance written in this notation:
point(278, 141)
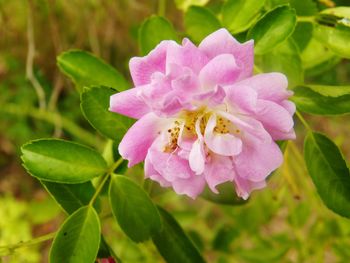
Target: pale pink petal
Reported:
point(242, 97)
point(222, 42)
point(218, 170)
point(197, 157)
point(289, 106)
point(244, 187)
point(257, 159)
point(151, 173)
point(187, 55)
point(274, 117)
point(142, 68)
point(191, 187)
point(224, 144)
point(269, 86)
point(212, 97)
point(129, 103)
point(221, 70)
point(139, 138)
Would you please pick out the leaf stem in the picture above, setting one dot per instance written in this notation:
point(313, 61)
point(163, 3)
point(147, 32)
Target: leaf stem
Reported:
point(161, 7)
point(309, 19)
point(303, 121)
point(8, 250)
point(105, 179)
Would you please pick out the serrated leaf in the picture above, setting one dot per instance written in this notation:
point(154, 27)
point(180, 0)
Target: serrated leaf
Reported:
point(272, 29)
point(62, 161)
point(153, 31)
point(84, 69)
point(173, 244)
point(329, 172)
point(239, 15)
point(78, 239)
point(200, 22)
point(133, 209)
point(71, 196)
point(95, 107)
point(311, 101)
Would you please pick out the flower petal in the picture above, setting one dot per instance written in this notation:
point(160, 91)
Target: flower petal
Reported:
point(223, 144)
point(218, 170)
point(221, 70)
point(129, 103)
point(197, 157)
point(242, 96)
point(142, 68)
point(191, 187)
point(139, 138)
point(257, 159)
point(222, 42)
point(151, 173)
point(244, 187)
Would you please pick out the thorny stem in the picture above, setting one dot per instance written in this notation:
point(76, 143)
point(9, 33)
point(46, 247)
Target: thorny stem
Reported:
point(8, 250)
point(30, 59)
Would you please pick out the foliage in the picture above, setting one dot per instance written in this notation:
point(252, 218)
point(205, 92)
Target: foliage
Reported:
point(111, 208)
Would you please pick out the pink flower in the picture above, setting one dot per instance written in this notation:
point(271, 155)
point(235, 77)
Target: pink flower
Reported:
point(203, 119)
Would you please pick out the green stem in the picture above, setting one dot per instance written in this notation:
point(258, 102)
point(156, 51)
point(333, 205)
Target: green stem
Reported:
point(8, 250)
point(257, 69)
point(105, 179)
point(53, 118)
point(161, 7)
point(303, 121)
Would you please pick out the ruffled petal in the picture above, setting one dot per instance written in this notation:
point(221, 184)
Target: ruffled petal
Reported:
point(129, 103)
point(221, 70)
point(218, 170)
point(191, 187)
point(142, 68)
point(242, 97)
point(139, 138)
point(223, 144)
point(257, 159)
point(151, 173)
point(244, 187)
point(197, 157)
point(222, 42)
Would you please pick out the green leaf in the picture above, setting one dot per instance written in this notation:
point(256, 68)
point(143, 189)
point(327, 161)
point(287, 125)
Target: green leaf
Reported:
point(185, 4)
point(310, 101)
point(71, 196)
point(329, 172)
point(284, 58)
point(200, 22)
point(95, 107)
point(133, 209)
point(153, 31)
point(272, 29)
point(304, 7)
point(173, 244)
point(226, 196)
point(78, 239)
point(62, 161)
point(84, 69)
point(239, 15)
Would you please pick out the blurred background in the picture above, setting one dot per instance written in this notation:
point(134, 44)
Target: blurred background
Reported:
point(287, 222)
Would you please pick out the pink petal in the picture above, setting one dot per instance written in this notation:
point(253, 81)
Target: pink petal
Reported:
point(212, 97)
point(257, 159)
point(129, 103)
point(274, 117)
point(244, 187)
point(142, 68)
point(222, 42)
point(151, 173)
point(269, 86)
point(223, 144)
point(242, 96)
point(191, 187)
point(289, 106)
point(221, 70)
point(187, 55)
point(139, 138)
point(218, 170)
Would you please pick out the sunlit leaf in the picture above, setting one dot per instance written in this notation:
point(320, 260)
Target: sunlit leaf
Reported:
point(78, 239)
point(62, 161)
point(185, 4)
point(84, 69)
point(272, 29)
point(239, 15)
point(133, 209)
point(329, 172)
